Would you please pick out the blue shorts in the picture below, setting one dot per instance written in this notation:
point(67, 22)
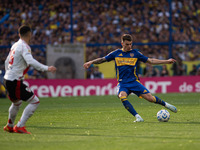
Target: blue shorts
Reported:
point(132, 87)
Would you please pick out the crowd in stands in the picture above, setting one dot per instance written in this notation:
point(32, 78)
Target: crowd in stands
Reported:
point(103, 21)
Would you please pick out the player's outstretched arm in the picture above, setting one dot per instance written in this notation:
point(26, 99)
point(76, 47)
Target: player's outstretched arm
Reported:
point(95, 61)
point(158, 61)
point(37, 65)
point(52, 69)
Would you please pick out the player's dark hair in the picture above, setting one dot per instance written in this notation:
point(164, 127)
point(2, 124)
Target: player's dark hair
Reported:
point(126, 37)
point(24, 29)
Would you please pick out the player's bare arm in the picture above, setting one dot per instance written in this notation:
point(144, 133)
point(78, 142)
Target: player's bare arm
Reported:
point(158, 61)
point(95, 61)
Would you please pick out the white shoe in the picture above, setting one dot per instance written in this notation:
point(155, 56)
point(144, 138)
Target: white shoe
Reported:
point(138, 118)
point(170, 107)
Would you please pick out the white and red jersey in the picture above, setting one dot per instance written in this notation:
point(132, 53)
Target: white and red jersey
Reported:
point(19, 60)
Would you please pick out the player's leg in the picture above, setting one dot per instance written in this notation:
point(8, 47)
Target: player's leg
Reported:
point(157, 100)
point(12, 91)
point(13, 110)
point(141, 90)
point(123, 97)
point(153, 99)
point(26, 95)
point(27, 113)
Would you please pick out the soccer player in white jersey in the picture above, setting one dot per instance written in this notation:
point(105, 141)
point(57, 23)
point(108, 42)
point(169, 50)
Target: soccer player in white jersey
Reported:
point(17, 64)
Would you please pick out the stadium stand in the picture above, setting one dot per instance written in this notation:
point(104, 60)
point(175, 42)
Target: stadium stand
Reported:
point(104, 22)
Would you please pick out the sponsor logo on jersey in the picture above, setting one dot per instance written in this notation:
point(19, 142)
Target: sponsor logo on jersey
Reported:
point(121, 61)
point(120, 54)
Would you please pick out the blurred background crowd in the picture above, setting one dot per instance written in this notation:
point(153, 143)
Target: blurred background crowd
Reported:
point(104, 21)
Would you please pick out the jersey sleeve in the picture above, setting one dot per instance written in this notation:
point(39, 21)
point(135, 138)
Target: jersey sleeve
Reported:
point(141, 57)
point(111, 56)
point(7, 62)
point(31, 61)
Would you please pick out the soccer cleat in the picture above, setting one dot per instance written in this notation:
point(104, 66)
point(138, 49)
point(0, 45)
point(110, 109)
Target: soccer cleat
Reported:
point(170, 107)
point(8, 129)
point(139, 119)
point(20, 130)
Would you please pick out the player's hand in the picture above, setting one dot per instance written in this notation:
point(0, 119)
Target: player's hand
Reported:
point(52, 69)
point(171, 61)
point(87, 64)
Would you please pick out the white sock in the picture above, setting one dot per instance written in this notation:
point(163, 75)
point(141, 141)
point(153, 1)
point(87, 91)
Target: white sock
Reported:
point(13, 110)
point(137, 116)
point(28, 111)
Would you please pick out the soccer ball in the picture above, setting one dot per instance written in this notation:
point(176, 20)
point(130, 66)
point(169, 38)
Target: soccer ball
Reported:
point(163, 115)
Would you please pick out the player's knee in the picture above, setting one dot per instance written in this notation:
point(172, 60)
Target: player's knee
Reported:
point(18, 104)
point(35, 100)
point(15, 106)
point(148, 97)
point(151, 99)
point(122, 94)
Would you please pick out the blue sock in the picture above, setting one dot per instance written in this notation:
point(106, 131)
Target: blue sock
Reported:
point(128, 105)
point(159, 101)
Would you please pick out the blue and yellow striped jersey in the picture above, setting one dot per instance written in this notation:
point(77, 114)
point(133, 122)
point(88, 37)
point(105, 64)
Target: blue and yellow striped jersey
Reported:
point(126, 64)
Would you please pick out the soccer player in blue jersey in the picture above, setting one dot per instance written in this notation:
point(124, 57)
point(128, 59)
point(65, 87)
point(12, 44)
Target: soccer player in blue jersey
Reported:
point(126, 60)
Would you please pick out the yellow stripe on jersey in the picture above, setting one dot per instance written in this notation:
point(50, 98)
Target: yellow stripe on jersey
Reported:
point(121, 61)
point(117, 74)
point(136, 74)
point(138, 81)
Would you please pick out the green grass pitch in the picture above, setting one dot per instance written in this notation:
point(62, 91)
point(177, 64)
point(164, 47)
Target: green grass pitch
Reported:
point(102, 123)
